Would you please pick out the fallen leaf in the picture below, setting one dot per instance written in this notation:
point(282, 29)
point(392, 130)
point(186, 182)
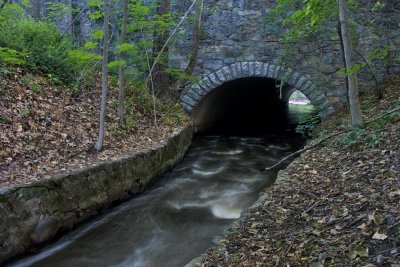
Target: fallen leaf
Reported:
point(378, 236)
point(362, 226)
point(316, 232)
point(334, 232)
point(20, 129)
point(394, 193)
point(358, 251)
point(376, 218)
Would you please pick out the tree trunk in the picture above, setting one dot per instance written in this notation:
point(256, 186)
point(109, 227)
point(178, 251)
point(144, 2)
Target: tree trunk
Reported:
point(37, 9)
point(196, 38)
point(354, 101)
point(339, 30)
point(121, 70)
point(160, 76)
point(196, 44)
point(106, 43)
point(70, 17)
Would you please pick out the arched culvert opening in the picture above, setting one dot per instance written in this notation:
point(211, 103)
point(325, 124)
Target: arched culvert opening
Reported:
point(245, 106)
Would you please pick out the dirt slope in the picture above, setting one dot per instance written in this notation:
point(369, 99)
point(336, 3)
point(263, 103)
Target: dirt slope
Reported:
point(46, 129)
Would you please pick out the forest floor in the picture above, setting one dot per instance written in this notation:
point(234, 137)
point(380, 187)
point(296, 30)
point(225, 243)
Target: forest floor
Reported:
point(338, 204)
point(47, 129)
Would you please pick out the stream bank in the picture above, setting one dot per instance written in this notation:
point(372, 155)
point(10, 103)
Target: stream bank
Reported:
point(33, 214)
point(335, 205)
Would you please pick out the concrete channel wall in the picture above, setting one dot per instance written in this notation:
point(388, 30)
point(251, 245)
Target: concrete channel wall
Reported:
point(33, 214)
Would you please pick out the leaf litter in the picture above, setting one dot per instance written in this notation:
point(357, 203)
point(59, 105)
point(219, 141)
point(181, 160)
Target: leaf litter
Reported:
point(54, 131)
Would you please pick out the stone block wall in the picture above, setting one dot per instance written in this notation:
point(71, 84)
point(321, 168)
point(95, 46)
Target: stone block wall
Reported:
point(238, 31)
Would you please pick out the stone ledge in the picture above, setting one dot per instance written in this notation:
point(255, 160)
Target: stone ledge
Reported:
point(33, 214)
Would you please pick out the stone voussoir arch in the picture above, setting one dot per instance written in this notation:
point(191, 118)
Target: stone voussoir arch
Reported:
point(194, 93)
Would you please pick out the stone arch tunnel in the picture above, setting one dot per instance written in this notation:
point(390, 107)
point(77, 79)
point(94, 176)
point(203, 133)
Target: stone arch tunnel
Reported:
point(246, 95)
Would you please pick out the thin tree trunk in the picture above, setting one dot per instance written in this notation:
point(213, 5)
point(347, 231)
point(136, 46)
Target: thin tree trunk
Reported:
point(121, 70)
point(196, 38)
point(160, 76)
point(196, 44)
point(354, 100)
point(106, 42)
point(70, 27)
point(36, 8)
point(70, 18)
point(151, 83)
point(339, 29)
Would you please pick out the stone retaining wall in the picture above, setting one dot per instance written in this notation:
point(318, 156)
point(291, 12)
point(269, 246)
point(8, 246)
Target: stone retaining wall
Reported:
point(35, 213)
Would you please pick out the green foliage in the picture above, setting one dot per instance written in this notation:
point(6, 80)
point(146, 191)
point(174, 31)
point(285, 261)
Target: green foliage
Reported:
point(11, 56)
point(354, 136)
point(353, 69)
point(138, 100)
point(131, 122)
point(81, 58)
point(95, 3)
point(113, 127)
point(381, 54)
point(116, 64)
point(303, 17)
point(10, 12)
point(178, 75)
point(97, 13)
point(323, 134)
point(98, 34)
point(374, 139)
point(173, 113)
point(307, 125)
point(29, 81)
point(385, 120)
point(145, 24)
point(56, 10)
point(378, 6)
point(398, 231)
point(24, 112)
point(5, 119)
point(37, 89)
point(90, 46)
point(125, 48)
point(142, 97)
point(38, 44)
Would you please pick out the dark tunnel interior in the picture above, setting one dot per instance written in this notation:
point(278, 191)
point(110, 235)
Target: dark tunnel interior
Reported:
point(247, 106)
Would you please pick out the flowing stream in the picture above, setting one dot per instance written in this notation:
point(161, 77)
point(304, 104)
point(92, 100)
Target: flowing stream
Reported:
point(177, 219)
